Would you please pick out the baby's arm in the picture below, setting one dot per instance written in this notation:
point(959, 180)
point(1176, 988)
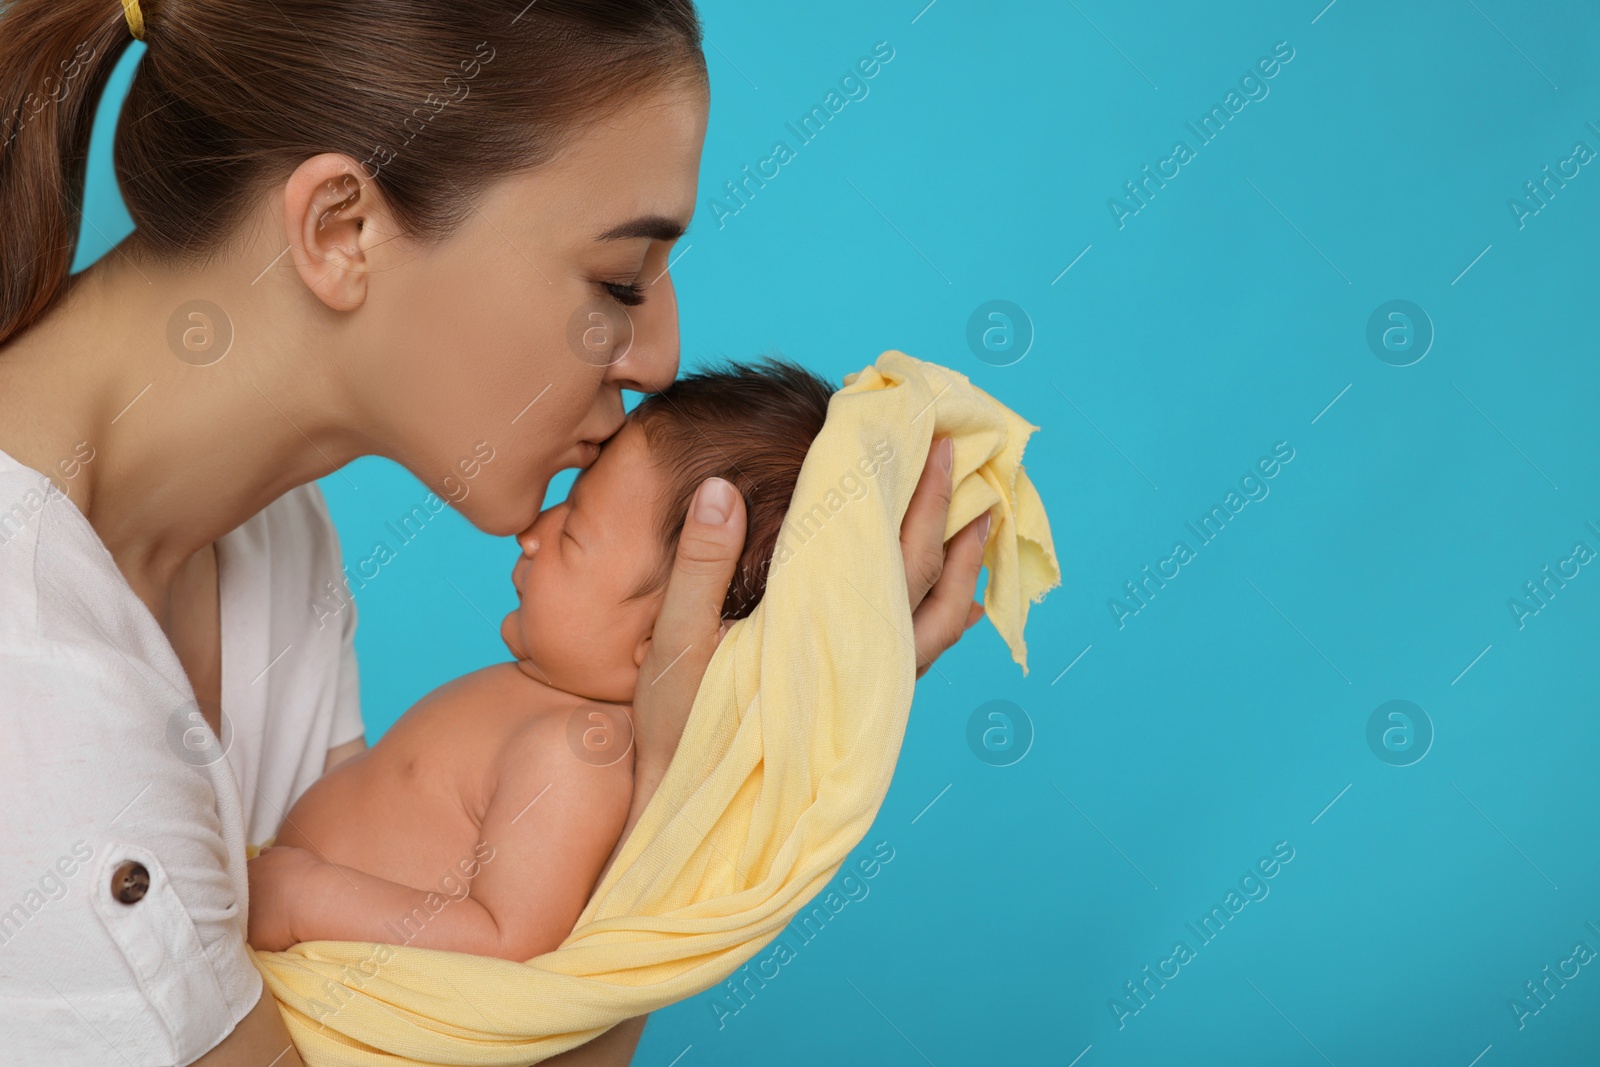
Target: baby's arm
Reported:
point(551, 822)
point(295, 897)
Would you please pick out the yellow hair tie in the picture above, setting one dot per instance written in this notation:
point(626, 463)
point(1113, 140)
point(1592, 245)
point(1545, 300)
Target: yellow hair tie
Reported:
point(135, 17)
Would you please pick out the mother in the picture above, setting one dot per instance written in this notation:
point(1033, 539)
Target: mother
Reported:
point(363, 228)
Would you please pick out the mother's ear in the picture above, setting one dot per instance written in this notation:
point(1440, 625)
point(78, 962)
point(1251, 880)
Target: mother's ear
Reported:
point(333, 217)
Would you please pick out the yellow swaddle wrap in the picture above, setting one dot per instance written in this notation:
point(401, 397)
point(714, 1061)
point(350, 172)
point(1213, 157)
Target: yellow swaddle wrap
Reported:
point(784, 762)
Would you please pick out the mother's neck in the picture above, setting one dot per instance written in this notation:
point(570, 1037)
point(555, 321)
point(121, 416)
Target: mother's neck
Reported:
point(182, 450)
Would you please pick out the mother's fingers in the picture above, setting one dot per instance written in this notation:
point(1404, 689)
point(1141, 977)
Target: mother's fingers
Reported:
point(687, 631)
point(940, 620)
point(689, 625)
point(922, 529)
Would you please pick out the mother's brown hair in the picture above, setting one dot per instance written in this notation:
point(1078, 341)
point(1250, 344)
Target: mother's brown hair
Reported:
point(436, 97)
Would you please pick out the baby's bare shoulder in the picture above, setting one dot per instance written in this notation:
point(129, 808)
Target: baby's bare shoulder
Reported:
point(584, 746)
point(574, 735)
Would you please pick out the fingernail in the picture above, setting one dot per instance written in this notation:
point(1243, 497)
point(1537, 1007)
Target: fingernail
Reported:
point(947, 452)
point(714, 501)
point(983, 527)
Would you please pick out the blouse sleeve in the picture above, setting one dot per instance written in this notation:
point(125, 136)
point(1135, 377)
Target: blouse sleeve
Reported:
point(347, 723)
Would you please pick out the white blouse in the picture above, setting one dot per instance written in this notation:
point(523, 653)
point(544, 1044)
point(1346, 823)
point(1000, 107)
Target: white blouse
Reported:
point(124, 819)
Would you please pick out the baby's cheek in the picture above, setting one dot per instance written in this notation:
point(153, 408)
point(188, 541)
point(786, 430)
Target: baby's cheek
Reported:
point(531, 621)
point(555, 629)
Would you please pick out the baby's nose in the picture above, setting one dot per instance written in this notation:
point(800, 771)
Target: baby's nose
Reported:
point(529, 541)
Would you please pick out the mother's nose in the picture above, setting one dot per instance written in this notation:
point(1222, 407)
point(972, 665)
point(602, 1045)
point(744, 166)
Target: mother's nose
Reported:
point(650, 362)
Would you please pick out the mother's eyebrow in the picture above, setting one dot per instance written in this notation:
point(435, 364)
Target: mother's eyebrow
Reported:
point(655, 227)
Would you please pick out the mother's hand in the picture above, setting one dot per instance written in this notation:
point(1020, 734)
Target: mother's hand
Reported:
point(940, 577)
point(940, 580)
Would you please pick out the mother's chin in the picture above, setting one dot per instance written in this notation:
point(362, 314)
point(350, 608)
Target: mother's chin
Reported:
point(502, 501)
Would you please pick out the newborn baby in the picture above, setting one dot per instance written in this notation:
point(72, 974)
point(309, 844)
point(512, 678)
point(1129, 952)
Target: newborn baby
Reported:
point(482, 820)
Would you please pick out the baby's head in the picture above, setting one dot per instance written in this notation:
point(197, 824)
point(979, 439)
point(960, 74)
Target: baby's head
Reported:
point(594, 568)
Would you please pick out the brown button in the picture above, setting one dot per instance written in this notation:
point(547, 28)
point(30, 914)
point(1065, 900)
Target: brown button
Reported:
point(129, 882)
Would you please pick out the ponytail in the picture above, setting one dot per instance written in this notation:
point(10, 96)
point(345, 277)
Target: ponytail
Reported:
point(55, 59)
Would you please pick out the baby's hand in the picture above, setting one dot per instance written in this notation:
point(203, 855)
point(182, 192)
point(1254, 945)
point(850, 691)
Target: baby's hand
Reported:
point(278, 878)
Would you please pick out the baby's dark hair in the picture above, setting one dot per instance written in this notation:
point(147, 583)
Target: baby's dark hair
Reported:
point(750, 424)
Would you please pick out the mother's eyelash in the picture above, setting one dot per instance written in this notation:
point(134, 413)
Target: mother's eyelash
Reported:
point(631, 294)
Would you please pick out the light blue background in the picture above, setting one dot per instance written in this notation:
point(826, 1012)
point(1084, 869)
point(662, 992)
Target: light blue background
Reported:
point(1227, 714)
